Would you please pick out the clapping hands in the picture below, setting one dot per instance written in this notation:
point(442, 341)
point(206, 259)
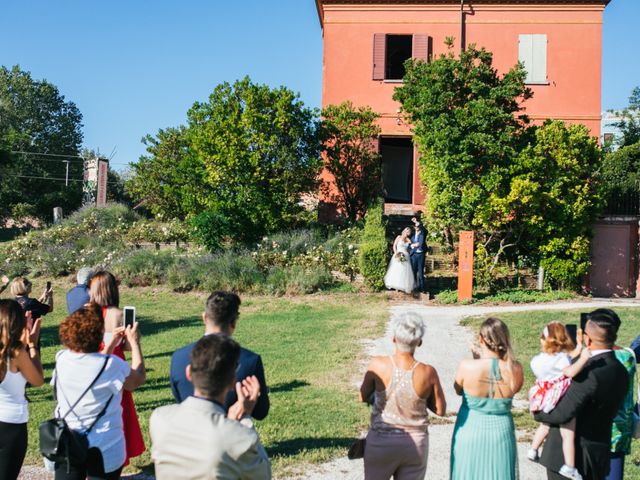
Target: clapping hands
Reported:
point(248, 392)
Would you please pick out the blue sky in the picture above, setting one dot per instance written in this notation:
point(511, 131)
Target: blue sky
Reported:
point(134, 66)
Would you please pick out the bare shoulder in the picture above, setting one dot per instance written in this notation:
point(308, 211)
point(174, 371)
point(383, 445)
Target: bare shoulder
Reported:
point(378, 364)
point(426, 370)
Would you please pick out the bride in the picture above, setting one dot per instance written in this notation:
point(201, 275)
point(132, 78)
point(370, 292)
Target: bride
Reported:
point(400, 274)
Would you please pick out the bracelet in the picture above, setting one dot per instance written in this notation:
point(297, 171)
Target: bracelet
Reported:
point(31, 347)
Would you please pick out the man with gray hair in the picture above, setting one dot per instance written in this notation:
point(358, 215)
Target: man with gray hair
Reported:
point(78, 296)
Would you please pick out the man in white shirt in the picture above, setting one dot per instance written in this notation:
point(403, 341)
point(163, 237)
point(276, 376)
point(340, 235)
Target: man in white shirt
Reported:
point(196, 439)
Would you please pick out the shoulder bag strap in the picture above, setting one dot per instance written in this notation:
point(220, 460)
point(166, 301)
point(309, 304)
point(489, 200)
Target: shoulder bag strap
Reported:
point(104, 365)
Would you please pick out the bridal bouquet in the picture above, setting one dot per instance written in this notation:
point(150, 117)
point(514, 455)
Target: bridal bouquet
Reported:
point(400, 256)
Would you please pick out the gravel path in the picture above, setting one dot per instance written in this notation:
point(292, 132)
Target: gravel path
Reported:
point(446, 342)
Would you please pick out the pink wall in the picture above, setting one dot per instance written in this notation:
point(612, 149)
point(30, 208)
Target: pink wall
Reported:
point(574, 51)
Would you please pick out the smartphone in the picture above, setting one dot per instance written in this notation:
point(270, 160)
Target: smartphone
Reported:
point(572, 330)
point(584, 318)
point(48, 286)
point(129, 316)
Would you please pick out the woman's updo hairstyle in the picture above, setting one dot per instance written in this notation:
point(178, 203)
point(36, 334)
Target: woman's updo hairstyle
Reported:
point(495, 334)
point(408, 330)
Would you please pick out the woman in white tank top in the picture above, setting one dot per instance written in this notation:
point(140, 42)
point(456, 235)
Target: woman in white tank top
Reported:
point(19, 364)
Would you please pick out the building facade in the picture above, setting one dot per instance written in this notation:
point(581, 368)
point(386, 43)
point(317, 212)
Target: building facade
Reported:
point(367, 41)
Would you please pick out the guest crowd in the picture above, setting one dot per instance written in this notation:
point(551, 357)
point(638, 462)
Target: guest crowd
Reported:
point(583, 396)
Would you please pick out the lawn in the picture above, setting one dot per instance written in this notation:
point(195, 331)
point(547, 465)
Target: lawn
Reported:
point(525, 330)
point(310, 346)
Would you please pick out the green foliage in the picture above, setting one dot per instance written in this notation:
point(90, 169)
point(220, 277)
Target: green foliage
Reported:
point(227, 270)
point(34, 117)
point(141, 268)
point(467, 131)
point(555, 194)
point(374, 251)
point(297, 280)
point(168, 181)
point(347, 134)
point(210, 229)
point(157, 232)
point(527, 192)
point(621, 171)
point(629, 125)
point(247, 154)
point(515, 295)
point(98, 237)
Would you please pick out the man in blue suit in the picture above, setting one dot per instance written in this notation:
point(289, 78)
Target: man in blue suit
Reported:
point(220, 318)
point(417, 254)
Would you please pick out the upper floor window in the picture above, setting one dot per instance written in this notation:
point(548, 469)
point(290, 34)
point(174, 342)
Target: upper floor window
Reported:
point(398, 51)
point(391, 51)
point(532, 52)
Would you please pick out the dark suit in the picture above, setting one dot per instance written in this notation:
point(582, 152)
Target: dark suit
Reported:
point(417, 258)
point(250, 364)
point(593, 399)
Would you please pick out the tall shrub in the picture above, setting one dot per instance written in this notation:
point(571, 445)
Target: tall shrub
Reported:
point(374, 249)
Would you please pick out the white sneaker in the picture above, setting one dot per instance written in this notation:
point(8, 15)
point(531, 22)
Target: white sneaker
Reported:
point(532, 454)
point(570, 472)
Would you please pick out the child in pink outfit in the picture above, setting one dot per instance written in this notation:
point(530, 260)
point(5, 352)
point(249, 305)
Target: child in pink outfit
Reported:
point(553, 370)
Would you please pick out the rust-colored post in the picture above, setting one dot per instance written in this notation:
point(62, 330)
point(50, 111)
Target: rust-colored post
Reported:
point(465, 266)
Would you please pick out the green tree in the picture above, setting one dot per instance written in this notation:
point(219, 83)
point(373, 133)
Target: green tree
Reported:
point(546, 204)
point(348, 135)
point(169, 181)
point(244, 159)
point(629, 125)
point(36, 118)
point(468, 131)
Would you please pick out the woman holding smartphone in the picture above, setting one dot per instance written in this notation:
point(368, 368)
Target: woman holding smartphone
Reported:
point(103, 291)
point(19, 364)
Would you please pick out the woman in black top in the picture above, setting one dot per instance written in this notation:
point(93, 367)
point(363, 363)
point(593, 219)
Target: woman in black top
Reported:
point(21, 288)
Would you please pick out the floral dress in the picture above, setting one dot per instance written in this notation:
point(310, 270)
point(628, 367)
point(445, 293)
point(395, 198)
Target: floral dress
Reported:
point(622, 430)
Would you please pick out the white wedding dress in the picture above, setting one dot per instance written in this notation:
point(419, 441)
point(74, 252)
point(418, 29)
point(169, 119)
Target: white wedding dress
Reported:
point(399, 275)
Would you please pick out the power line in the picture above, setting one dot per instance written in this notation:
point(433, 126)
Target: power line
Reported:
point(44, 178)
point(50, 178)
point(48, 154)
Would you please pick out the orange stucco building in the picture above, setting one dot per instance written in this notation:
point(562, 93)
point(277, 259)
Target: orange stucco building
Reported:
point(366, 43)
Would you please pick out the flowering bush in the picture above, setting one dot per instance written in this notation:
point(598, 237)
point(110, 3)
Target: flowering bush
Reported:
point(146, 231)
point(309, 250)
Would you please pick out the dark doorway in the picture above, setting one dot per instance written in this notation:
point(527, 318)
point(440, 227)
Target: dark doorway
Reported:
point(397, 169)
point(399, 49)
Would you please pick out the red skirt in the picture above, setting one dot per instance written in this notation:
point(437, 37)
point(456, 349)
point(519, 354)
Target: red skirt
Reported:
point(132, 432)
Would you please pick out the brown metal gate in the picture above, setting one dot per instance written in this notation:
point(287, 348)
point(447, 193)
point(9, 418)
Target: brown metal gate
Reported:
point(614, 259)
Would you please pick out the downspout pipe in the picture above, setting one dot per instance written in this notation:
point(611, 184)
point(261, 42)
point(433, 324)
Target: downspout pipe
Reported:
point(462, 39)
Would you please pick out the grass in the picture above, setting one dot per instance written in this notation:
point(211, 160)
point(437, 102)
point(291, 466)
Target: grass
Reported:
point(310, 346)
point(525, 331)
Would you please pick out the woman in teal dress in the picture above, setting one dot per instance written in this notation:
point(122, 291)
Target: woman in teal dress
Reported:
point(484, 443)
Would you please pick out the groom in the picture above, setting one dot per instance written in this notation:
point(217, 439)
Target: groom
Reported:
point(417, 254)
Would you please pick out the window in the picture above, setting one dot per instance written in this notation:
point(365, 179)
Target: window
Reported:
point(398, 50)
point(390, 51)
point(532, 52)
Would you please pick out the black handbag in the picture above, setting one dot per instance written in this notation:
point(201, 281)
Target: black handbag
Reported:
point(58, 442)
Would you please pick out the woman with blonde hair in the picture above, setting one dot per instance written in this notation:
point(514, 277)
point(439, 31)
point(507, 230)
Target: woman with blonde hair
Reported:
point(403, 389)
point(484, 443)
point(103, 291)
point(19, 364)
point(21, 289)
